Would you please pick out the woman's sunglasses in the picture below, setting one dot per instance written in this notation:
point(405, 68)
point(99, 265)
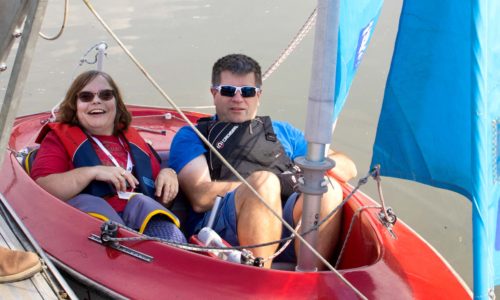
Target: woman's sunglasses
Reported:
point(104, 95)
point(230, 91)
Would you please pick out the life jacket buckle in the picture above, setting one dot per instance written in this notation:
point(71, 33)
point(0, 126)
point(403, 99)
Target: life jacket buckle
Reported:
point(271, 137)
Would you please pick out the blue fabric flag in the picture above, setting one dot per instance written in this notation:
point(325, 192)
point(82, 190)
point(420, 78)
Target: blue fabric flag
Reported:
point(356, 24)
point(440, 119)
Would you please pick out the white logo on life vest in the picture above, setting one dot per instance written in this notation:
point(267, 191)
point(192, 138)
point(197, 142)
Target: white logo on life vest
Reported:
point(220, 144)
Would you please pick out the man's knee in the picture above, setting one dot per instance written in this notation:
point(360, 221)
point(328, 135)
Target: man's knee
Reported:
point(333, 197)
point(264, 180)
point(266, 184)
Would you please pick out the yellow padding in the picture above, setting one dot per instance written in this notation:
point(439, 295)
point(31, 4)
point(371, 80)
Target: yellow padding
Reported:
point(170, 215)
point(99, 216)
point(27, 166)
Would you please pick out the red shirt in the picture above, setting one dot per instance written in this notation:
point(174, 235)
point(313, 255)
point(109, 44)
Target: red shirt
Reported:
point(52, 158)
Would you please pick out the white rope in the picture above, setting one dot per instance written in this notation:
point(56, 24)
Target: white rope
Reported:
point(293, 44)
point(285, 245)
point(65, 18)
point(349, 231)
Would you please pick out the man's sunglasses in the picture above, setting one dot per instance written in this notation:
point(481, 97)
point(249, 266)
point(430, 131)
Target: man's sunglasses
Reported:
point(230, 91)
point(105, 95)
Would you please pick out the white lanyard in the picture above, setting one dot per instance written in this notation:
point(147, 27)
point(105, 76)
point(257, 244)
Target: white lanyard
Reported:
point(130, 165)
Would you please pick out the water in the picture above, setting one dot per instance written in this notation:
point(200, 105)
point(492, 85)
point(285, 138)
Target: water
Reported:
point(177, 41)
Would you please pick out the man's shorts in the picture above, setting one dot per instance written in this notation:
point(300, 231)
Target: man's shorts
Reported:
point(225, 223)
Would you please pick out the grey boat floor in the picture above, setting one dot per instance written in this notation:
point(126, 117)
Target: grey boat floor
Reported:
point(37, 287)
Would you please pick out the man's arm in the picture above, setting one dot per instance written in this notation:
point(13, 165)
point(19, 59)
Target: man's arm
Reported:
point(344, 169)
point(195, 181)
point(295, 145)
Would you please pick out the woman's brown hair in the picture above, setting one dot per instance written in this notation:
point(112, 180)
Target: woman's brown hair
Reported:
point(67, 109)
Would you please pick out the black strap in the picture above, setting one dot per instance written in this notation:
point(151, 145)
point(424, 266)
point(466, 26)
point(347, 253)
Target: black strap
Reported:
point(268, 129)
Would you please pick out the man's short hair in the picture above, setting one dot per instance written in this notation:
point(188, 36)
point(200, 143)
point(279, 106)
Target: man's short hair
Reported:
point(238, 64)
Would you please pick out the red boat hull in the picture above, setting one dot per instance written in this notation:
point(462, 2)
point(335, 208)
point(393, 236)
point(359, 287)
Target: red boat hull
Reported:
point(377, 264)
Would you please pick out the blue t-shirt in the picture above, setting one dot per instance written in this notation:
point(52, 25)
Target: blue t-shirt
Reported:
point(186, 145)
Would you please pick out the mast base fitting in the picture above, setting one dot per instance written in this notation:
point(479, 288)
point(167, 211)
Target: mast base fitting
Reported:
point(314, 172)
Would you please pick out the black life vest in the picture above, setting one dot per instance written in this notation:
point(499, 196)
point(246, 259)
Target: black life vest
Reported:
point(249, 146)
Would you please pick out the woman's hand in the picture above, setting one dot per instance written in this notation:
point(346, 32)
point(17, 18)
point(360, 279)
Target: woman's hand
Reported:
point(119, 177)
point(167, 186)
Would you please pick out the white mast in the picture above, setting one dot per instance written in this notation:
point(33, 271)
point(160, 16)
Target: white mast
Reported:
point(319, 123)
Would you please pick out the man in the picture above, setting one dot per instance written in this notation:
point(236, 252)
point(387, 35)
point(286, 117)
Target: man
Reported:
point(263, 152)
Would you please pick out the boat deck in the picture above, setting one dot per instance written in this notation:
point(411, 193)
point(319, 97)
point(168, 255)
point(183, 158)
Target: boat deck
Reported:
point(37, 287)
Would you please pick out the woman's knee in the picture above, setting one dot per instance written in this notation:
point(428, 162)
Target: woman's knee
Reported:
point(87, 201)
point(141, 198)
point(96, 207)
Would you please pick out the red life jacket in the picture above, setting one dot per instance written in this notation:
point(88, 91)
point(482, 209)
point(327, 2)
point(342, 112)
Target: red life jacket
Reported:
point(78, 146)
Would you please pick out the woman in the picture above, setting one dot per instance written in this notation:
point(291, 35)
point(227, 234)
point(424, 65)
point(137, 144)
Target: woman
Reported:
point(92, 159)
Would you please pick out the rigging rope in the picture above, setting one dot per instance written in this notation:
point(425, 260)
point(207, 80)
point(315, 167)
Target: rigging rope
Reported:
point(65, 18)
point(285, 245)
point(351, 226)
point(388, 216)
point(293, 44)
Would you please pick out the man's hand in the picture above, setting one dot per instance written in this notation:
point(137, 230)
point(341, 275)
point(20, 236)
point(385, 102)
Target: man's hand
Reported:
point(167, 186)
point(289, 181)
point(195, 181)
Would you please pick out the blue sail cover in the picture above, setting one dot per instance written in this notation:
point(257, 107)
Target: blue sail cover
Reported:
point(440, 119)
point(357, 22)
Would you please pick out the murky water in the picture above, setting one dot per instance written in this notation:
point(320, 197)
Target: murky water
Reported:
point(177, 41)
